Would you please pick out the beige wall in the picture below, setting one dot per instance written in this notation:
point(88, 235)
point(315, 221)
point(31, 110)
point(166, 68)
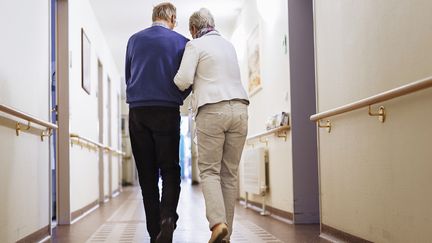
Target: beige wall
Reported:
point(375, 178)
point(24, 160)
point(274, 96)
point(84, 107)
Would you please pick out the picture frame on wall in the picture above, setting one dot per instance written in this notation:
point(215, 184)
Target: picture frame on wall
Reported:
point(85, 62)
point(254, 62)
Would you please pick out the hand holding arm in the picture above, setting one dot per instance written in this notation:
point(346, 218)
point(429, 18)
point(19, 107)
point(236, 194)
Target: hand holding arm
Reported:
point(186, 92)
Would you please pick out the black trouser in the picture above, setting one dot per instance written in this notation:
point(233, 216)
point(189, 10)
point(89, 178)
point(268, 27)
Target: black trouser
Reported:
point(155, 137)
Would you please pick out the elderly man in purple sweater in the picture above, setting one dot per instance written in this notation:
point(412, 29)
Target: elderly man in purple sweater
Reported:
point(153, 57)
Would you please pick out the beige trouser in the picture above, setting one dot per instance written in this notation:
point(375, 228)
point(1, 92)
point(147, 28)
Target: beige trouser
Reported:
point(221, 134)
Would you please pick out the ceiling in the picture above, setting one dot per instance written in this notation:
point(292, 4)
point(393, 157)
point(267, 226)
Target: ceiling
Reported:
point(119, 19)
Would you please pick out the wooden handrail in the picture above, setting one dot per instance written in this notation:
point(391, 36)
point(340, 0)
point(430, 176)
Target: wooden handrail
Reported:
point(387, 95)
point(96, 144)
point(277, 131)
point(12, 111)
point(73, 135)
point(112, 150)
point(117, 152)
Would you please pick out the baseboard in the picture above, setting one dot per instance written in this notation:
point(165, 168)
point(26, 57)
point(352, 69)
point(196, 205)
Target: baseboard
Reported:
point(277, 213)
point(331, 233)
point(78, 213)
point(36, 236)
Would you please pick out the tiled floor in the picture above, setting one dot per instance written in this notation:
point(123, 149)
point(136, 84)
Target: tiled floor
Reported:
point(123, 220)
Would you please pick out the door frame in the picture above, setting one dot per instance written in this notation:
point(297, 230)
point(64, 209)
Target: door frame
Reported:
point(101, 131)
point(306, 191)
point(109, 138)
point(63, 140)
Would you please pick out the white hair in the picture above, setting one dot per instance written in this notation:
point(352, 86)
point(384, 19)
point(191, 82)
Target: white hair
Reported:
point(201, 19)
point(164, 11)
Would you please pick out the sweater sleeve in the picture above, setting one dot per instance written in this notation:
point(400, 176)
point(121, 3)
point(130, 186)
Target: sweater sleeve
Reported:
point(128, 62)
point(186, 73)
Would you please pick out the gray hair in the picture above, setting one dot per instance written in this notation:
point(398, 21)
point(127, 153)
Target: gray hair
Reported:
point(164, 11)
point(201, 19)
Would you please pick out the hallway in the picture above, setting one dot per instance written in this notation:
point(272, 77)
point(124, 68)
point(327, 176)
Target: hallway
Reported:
point(338, 139)
point(123, 220)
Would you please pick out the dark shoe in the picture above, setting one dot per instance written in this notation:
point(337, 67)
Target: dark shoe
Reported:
point(218, 233)
point(167, 230)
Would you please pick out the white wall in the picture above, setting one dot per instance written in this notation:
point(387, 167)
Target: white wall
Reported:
point(84, 172)
point(84, 107)
point(24, 84)
point(375, 178)
point(274, 96)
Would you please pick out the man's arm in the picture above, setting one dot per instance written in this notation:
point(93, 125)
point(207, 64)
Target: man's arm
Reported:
point(128, 62)
point(185, 76)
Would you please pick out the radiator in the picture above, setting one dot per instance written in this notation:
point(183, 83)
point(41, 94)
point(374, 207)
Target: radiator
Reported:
point(254, 171)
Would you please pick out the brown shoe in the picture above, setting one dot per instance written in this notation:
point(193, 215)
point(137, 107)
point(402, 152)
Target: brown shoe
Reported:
point(218, 233)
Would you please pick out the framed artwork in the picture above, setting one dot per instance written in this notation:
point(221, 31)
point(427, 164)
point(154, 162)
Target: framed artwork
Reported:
point(254, 62)
point(85, 62)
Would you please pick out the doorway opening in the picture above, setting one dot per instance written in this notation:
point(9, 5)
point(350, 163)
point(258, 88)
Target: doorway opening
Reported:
point(185, 150)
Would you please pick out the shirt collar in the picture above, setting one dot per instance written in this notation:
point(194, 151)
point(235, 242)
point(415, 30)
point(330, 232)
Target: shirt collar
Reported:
point(156, 23)
point(213, 32)
point(207, 32)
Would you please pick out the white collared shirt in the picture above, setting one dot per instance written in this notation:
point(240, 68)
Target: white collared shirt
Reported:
point(161, 24)
point(210, 64)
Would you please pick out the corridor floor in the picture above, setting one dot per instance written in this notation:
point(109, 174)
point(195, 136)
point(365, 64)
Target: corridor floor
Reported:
point(123, 220)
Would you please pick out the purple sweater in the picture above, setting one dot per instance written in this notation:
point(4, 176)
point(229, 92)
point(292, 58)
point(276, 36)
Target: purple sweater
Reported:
point(153, 57)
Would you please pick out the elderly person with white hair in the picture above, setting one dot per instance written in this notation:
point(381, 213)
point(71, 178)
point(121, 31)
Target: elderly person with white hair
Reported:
point(220, 102)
